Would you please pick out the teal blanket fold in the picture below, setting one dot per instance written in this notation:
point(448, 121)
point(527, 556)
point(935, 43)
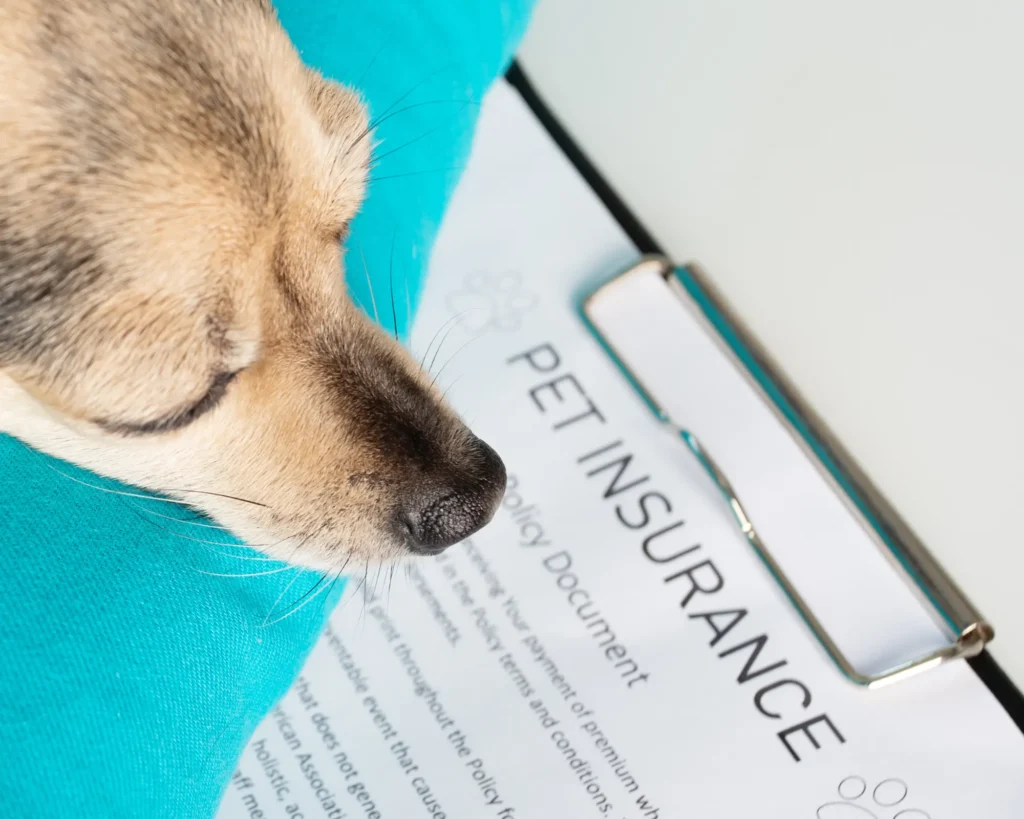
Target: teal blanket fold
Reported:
point(132, 670)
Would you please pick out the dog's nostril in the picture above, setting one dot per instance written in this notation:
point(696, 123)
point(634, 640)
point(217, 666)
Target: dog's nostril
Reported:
point(444, 518)
point(490, 467)
point(407, 526)
point(445, 522)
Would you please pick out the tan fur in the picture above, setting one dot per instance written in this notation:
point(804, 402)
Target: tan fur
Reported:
point(173, 184)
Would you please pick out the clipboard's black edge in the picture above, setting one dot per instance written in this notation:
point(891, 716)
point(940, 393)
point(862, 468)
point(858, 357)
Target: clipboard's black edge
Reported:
point(634, 228)
point(984, 665)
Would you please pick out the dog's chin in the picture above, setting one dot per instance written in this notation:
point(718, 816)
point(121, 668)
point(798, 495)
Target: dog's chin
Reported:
point(328, 555)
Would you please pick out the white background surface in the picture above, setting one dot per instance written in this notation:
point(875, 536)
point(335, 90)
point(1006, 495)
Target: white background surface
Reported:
point(852, 177)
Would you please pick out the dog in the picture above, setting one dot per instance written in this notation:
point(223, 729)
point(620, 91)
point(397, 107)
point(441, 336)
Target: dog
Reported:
point(175, 189)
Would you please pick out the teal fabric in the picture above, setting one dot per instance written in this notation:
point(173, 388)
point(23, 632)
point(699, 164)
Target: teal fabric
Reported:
point(131, 671)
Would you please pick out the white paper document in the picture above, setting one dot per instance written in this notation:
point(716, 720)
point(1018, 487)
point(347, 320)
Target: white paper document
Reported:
point(578, 658)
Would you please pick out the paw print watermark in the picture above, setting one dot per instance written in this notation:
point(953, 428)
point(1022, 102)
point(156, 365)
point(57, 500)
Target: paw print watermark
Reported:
point(859, 800)
point(492, 301)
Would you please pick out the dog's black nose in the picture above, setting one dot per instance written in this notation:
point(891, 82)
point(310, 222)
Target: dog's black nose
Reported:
point(451, 510)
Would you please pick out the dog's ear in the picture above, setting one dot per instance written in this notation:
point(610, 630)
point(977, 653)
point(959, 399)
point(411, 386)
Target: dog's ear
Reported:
point(340, 110)
point(347, 133)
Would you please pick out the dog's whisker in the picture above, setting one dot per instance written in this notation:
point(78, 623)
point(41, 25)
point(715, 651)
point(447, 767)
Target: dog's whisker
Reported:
point(388, 115)
point(369, 283)
point(140, 512)
point(426, 352)
point(298, 573)
point(307, 598)
point(257, 558)
point(298, 546)
point(415, 173)
point(353, 591)
point(391, 279)
point(335, 580)
point(377, 158)
point(213, 542)
point(371, 590)
point(313, 588)
point(362, 588)
point(218, 495)
point(417, 85)
point(189, 521)
point(368, 597)
point(450, 360)
point(288, 565)
point(439, 348)
point(341, 571)
point(230, 723)
point(366, 71)
point(456, 318)
point(376, 579)
point(448, 388)
point(139, 495)
point(249, 574)
point(408, 308)
point(105, 489)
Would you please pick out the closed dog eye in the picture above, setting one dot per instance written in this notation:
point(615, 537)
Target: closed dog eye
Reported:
point(179, 418)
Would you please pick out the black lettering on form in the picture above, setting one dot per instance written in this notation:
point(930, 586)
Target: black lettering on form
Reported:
point(758, 643)
point(552, 385)
point(599, 451)
point(695, 584)
point(592, 412)
point(622, 463)
point(543, 358)
point(805, 728)
point(733, 615)
point(760, 695)
point(642, 504)
point(653, 537)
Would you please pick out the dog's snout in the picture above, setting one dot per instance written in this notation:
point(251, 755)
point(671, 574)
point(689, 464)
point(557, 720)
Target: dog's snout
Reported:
point(448, 512)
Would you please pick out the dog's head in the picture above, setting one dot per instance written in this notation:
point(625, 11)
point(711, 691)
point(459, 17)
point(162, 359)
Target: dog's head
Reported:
point(174, 190)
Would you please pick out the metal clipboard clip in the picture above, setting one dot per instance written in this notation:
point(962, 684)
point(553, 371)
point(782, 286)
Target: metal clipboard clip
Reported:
point(970, 632)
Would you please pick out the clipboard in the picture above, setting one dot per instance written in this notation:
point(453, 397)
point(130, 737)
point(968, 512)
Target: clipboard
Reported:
point(969, 631)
